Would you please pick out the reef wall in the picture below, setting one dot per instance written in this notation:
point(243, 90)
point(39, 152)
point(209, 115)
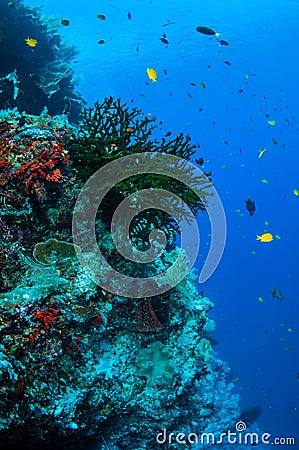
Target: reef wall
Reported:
point(78, 362)
point(40, 74)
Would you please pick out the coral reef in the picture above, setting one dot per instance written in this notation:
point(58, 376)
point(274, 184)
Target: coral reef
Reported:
point(36, 184)
point(77, 362)
point(76, 365)
point(34, 77)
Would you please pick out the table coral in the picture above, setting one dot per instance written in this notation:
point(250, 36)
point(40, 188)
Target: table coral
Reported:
point(54, 250)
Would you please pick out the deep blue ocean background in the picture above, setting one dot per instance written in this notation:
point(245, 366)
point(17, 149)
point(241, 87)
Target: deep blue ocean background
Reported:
point(229, 118)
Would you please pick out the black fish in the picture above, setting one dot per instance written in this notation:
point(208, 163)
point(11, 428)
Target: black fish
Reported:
point(276, 293)
point(129, 15)
point(199, 161)
point(164, 40)
point(250, 205)
point(223, 42)
point(205, 30)
point(168, 23)
point(65, 22)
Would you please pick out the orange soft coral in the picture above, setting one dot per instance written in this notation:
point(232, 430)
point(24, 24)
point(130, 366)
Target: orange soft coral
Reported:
point(47, 316)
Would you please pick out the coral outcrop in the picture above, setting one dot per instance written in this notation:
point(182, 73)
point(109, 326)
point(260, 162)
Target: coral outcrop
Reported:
point(78, 362)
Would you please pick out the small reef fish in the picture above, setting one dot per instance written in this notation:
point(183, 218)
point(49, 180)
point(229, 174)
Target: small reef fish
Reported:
point(129, 15)
point(167, 23)
point(262, 152)
point(101, 41)
point(164, 39)
point(101, 17)
point(276, 293)
point(206, 30)
point(31, 42)
point(152, 74)
point(250, 206)
point(199, 161)
point(223, 42)
point(11, 4)
point(65, 22)
point(266, 237)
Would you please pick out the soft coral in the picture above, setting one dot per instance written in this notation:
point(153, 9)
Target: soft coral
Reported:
point(47, 316)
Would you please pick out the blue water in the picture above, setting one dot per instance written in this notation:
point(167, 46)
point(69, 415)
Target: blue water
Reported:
point(251, 335)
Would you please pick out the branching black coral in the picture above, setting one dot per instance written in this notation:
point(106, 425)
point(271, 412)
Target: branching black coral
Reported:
point(108, 131)
point(111, 130)
point(112, 120)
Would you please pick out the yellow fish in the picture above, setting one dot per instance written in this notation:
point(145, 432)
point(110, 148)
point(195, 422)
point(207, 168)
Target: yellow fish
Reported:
point(261, 152)
point(152, 74)
point(31, 42)
point(266, 237)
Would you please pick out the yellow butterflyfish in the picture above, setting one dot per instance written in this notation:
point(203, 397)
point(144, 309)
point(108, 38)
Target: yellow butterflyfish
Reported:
point(266, 237)
point(152, 74)
point(31, 42)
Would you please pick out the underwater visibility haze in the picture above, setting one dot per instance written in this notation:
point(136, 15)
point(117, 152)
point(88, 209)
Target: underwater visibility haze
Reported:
point(121, 351)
